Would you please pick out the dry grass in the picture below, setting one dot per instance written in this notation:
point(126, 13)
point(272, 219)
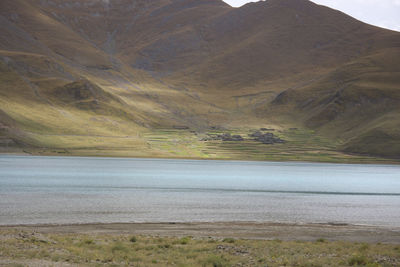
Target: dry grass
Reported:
point(28, 248)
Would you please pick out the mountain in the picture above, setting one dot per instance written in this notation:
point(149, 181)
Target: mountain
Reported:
point(157, 78)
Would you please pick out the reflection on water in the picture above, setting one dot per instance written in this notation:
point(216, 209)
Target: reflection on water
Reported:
point(82, 190)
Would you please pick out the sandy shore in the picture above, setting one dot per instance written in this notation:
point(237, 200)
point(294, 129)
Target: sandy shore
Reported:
point(242, 230)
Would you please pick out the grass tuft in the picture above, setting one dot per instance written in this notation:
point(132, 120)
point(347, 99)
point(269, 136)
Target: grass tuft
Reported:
point(88, 242)
point(184, 240)
point(228, 240)
point(358, 260)
point(118, 247)
point(215, 261)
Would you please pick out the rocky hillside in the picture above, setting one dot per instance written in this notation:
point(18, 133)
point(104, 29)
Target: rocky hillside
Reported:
point(106, 75)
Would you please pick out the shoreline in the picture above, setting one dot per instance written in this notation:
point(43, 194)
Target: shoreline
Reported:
point(382, 162)
point(238, 230)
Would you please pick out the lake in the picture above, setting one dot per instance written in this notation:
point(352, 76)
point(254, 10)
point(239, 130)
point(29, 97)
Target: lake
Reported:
point(38, 190)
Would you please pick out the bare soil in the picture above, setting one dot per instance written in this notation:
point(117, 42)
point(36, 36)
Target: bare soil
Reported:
point(241, 230)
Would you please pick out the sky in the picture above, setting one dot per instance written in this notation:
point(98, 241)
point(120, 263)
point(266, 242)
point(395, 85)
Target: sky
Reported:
point(382, 13)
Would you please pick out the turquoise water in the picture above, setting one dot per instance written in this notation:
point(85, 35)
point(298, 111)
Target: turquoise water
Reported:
point(86, 190)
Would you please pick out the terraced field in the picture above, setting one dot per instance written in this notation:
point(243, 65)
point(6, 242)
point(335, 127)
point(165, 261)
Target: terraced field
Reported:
point(300, 145)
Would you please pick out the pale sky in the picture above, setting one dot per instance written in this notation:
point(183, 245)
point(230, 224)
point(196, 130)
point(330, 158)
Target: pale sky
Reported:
point(382, 13)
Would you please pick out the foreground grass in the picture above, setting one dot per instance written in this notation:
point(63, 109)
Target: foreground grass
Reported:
point(25, 248)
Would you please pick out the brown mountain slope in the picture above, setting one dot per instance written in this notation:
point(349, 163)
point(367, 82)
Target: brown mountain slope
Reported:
point(358, 102)
point(113, 68)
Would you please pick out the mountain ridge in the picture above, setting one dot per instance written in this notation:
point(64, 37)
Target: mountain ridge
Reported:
point(197, 64)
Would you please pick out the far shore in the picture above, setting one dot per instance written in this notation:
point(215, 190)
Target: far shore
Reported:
point(378, 161)
point(239, 230)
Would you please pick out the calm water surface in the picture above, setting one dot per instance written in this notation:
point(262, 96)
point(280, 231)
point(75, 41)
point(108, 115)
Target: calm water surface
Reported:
point(84, 190)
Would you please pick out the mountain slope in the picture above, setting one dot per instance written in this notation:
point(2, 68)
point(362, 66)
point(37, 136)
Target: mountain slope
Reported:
point(358, 102)
point(107, 75)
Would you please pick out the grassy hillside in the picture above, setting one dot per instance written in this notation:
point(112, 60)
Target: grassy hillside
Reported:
point(155, 78)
